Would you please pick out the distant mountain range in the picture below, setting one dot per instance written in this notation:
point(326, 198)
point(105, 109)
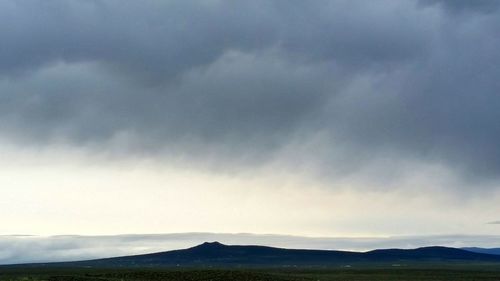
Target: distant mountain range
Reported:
point(217, 254)
point(491, 251)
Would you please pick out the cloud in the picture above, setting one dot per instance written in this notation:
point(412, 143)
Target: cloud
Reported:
point(494, 222)
point(457, 6)
point(252, 83)
point(195, 34)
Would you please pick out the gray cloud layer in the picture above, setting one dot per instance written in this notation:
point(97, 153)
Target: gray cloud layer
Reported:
point(23, 249)
point(414, 80)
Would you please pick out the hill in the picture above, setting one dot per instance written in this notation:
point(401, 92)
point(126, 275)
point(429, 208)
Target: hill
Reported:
point(491, 251)
point(217, 254)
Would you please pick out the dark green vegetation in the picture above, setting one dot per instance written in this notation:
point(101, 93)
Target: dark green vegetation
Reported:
point(451, 273)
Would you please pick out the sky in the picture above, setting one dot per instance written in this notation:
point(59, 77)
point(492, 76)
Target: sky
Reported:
point(350, 119)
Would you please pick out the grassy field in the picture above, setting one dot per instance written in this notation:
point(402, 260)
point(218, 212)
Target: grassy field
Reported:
point(367, 274)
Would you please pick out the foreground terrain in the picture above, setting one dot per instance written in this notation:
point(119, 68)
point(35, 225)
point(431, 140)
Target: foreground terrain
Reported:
point(346, 274)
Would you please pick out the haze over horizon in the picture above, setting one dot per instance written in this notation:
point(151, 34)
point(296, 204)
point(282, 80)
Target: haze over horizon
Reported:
point(305, 118)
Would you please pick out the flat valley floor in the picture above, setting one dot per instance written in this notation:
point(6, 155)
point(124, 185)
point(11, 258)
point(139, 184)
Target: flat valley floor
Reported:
point(454, 273)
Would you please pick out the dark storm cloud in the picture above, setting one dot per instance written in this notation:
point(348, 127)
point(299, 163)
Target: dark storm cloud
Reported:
point(165, 38)
point(481, 6)
point(402, 78)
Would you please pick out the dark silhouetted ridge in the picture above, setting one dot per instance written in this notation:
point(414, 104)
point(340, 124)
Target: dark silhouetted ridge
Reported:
point(217, 254)
point(491, 251)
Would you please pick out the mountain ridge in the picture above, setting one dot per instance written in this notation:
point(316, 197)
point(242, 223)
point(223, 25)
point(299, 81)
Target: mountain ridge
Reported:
point(491, 251)
point(217, 254)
